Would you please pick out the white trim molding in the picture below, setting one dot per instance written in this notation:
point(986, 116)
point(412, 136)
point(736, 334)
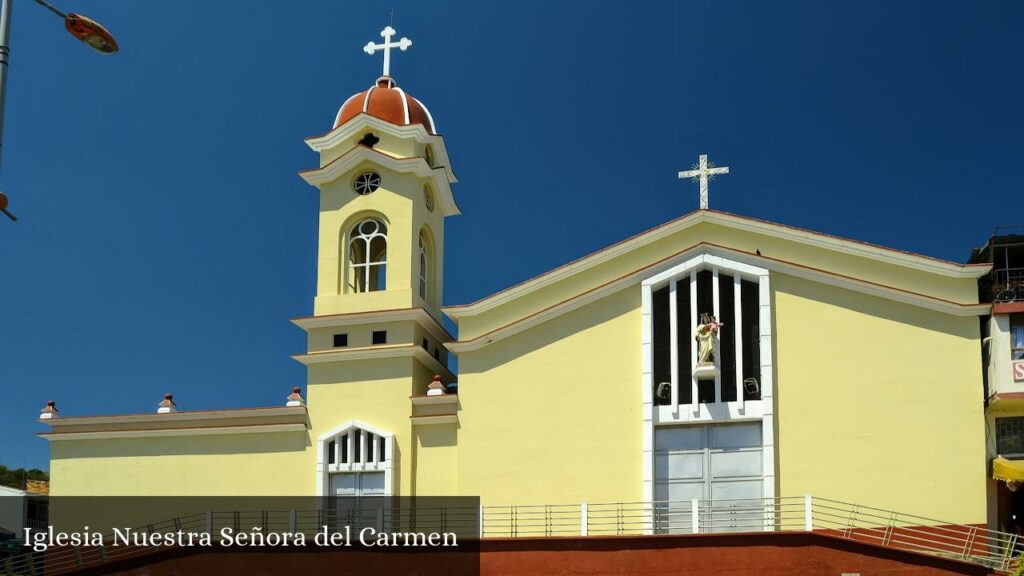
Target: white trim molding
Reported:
point(853, 247)
point(166, 432)
point(414, 165)
point(414, 131)
point(739, 410)
point(375, 352)
point(420, 315)
point(741, 259)
point(367, 461)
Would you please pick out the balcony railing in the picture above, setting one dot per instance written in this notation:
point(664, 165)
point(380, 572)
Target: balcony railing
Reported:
point(1008, 284)
point(888, 529)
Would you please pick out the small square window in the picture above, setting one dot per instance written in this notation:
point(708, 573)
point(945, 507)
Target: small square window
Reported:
point(340, 340)
point(380, 336)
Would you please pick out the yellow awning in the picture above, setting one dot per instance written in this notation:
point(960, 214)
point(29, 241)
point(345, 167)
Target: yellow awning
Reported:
point(1008, 470)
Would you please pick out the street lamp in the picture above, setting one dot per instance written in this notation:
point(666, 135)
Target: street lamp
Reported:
point(92, 33)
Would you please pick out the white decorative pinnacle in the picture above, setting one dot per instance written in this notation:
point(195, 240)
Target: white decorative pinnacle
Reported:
point(703, 172)
point(387, 33)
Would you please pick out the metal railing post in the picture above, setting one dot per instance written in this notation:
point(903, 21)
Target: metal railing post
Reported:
point(584, 522)
point(695, 515)
point(808, 513)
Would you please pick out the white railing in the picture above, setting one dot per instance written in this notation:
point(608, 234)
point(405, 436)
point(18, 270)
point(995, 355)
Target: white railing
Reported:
point(994, 550)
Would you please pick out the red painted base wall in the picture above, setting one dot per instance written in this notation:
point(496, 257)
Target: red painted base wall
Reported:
point(788, 554)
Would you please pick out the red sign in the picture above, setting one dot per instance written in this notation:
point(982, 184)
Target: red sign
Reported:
point(1018, 371)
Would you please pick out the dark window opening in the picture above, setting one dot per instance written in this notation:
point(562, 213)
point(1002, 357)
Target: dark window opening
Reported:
point(662, 347)
point(727, 336)
point(1010, 436)
point(330, 452)
point(705, 391)
point(369, 448)
point(1017, 337)
point(751, 311)
point(369, 140)
point(683, 344)
point(380, 337)
point(357, 447)
point(381, 453)
point(705, 296)
point(344, 449)
point(426, 345)
point(340, 340)
point(437, 354)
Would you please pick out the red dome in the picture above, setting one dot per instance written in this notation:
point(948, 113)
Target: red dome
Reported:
point(389, 103)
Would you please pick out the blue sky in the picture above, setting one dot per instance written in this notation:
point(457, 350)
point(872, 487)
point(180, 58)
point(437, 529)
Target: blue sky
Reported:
point(165, 239)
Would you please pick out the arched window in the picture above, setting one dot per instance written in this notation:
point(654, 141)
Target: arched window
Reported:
point(368, 256)
point(424, 265)
point(356, 459)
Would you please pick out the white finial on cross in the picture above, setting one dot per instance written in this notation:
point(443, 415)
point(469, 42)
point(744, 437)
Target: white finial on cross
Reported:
point(387, 33)
point(703, 172)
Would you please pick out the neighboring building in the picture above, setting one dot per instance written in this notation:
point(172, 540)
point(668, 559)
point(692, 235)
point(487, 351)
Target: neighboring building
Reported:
point(1003, 353)
point(841, 369)
point(20, 509)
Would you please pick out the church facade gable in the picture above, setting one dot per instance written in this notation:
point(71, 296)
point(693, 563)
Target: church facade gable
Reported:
point(889, 273)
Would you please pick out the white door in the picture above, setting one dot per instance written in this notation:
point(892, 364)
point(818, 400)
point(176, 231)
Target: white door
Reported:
point(357, 484)
point(348, 507)
point(718, 464)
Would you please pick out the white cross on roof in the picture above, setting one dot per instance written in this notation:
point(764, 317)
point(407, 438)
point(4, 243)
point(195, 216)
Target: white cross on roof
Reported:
point(703, 172)
point(386, 46)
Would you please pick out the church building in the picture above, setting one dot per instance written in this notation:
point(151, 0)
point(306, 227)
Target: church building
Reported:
point(713, 358)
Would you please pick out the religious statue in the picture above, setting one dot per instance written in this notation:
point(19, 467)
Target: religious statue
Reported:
point(707, 330)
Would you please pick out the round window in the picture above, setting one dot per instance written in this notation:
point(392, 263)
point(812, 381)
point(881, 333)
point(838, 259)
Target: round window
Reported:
point(366, 183)
point(428, 198)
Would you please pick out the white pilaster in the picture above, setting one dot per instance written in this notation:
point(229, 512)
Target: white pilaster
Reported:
point(674, 343)
point(737, 298)
point(718, 337)
point(764, 294)
point(693, 337)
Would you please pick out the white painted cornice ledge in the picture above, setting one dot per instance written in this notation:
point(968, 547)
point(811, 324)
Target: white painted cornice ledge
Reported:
point(853, 247)
point(418, 166)
point(639, 275)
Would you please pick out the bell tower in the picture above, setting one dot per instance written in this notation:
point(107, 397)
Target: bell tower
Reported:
point(376, 338)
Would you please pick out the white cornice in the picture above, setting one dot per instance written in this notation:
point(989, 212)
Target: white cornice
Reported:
point(418, 315)
point(415, 131)
point(157, 432)
point(418, 166)
point(654, 270)
point(375, 352)
point(180, 418)
point(878, 253)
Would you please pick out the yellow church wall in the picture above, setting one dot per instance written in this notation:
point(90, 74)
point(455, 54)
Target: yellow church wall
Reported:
point(374, 392)
point(962, 290)
point(361, 335)
point(553, 414)
point(878, 403)
point(436, 460)
point(212, 465)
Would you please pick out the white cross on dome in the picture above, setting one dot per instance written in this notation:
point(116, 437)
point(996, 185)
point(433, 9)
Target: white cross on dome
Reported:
point(386, 46)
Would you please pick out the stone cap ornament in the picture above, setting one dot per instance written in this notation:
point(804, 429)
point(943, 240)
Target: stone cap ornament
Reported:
point(435, 388)
point(167, 405)
point(295, 398)
point(49, 411)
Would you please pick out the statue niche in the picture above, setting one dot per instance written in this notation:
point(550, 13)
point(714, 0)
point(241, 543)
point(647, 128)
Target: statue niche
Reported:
point(707, 336)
